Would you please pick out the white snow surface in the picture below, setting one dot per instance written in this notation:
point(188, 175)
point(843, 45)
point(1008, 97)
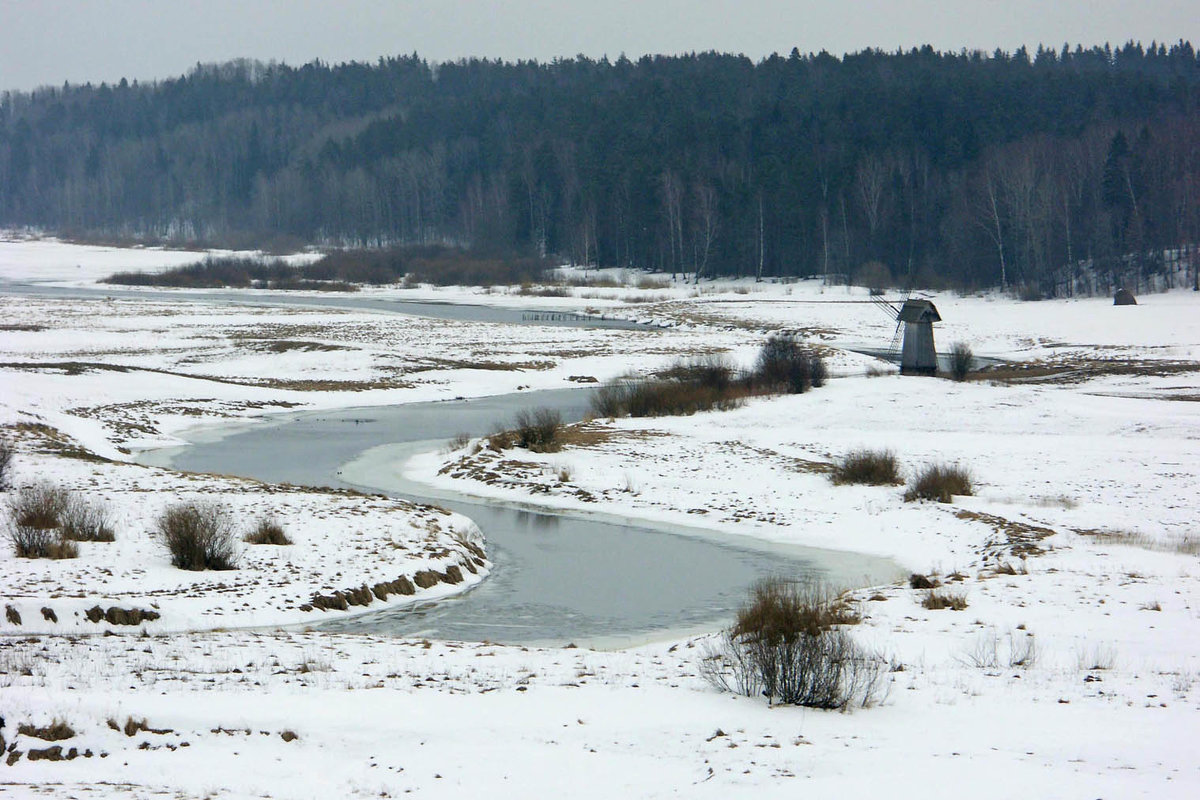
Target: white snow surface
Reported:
point(1076, 676)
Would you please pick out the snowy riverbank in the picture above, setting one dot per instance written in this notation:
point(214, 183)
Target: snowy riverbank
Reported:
point(1072, 672)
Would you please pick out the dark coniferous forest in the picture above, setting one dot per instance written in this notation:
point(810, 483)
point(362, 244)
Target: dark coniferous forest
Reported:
point(1044, 171)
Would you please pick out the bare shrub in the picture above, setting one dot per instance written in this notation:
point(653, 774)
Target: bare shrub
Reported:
point(30, 542)
point(86, 521)
point(267, 531)
point(39, 505)
point(538, 430)
point(817, 371)
point(198, 536)
point(788, 643)
point(962, 358)
point(990, 650)
point(36, 519)
point(871, 467)
point(783, 365)
point(1022, 650)
point(1096, 657)
point(940, 482)
point(7, 454)
point(935, 600)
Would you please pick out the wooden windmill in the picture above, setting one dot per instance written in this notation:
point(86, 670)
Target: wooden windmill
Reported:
point(914, 321)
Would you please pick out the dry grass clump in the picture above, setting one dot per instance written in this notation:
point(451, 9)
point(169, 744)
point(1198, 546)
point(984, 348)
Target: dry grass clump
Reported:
point(918, 581)
point(940, 482)
point(56, 731)
point(458, 442)
point(267, 531)
point(659, 398)
point(870, 467)
point(711, 383)
point(935, 600)
point(789, 644)
point(685, 387)
point(198, 536)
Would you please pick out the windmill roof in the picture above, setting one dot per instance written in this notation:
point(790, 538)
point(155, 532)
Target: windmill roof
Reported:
point(919, 311)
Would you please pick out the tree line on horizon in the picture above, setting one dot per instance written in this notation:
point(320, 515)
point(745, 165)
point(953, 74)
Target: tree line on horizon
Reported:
point(1052, 171)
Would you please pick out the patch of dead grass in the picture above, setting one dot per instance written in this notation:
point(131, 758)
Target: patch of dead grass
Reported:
point(1187, 544)
point(1077, 369)
point(1020, 538)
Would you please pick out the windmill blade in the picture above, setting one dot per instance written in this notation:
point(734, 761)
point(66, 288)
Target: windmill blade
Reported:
point(886, 307)
point(894, 347)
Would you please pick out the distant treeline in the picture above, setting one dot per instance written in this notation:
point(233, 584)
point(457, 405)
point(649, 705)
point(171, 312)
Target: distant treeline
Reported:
point(346, 270)
point(966, 168)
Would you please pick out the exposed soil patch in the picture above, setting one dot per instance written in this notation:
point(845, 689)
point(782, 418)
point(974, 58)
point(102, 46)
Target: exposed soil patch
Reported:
point(291, 345)
point(493, 366)
point(121, 616)
point(1020, 538)
point(300, 385)
point(1077, 369)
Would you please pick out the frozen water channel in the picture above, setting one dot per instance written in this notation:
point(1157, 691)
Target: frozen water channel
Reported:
point(557, 578)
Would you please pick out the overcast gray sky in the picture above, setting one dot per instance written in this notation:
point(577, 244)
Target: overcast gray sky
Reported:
point(46, 42)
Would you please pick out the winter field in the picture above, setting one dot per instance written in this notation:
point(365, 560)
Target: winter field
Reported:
point(1072, 671)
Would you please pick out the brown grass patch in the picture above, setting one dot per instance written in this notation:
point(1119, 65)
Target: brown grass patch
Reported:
point(935, 600)
point(918, 581)
point(56, 731)
point(289, 346)
point(427, 578)
point(1079, 369)
point(1188, 544)
point(940, 482)
point(489, 366)
point(869, 467)
point(300, 385)
point(1020, 538)
point(267, 531)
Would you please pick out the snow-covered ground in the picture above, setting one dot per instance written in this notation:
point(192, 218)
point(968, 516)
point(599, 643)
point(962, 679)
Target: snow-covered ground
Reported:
point(1072, 672)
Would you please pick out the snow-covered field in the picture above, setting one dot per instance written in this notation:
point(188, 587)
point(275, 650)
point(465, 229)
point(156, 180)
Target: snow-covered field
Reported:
point(1072, 672)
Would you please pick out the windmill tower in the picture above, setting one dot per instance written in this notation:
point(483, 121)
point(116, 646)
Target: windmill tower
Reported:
point(916, 318)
